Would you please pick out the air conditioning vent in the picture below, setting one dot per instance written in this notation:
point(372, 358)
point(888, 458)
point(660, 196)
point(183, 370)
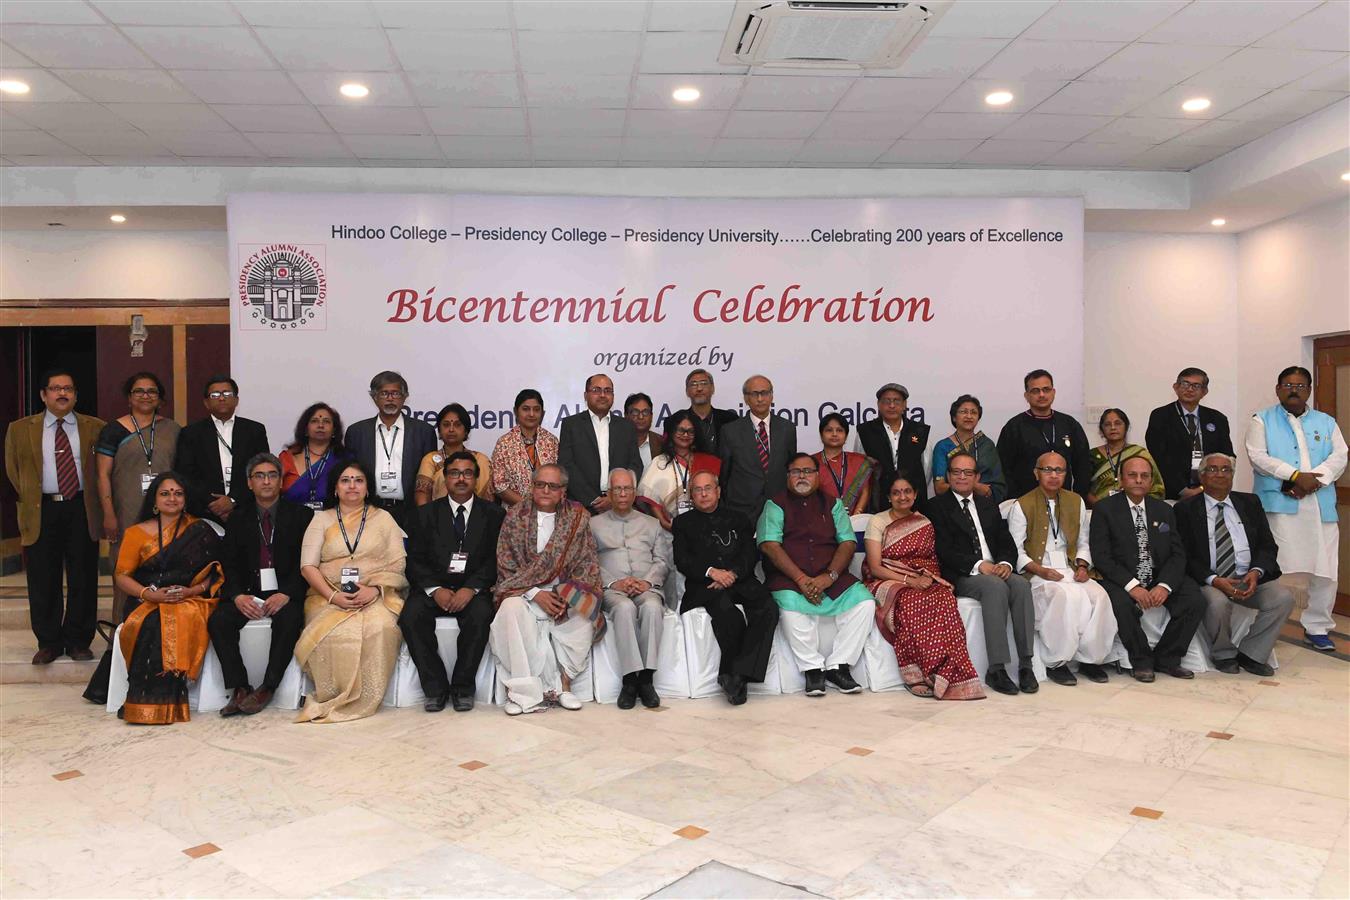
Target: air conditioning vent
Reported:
point(827, 34)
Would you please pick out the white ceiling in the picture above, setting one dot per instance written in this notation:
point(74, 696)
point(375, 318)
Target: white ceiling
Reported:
point(564, 83)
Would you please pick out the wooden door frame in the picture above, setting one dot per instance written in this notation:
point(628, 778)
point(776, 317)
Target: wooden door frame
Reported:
point(1328, 354)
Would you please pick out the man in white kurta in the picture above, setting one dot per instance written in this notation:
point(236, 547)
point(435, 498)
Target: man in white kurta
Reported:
point(1298, 453)
point(1049, 525)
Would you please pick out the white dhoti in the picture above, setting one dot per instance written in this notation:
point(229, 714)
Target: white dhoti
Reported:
point(1074, 620)
point(522, 637)
point(852, 626)
point(1308, 551)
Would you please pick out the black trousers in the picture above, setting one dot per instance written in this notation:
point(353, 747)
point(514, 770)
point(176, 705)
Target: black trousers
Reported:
point(418, 624)
point(745, 640)
point(1187, 609)
point(63, 547)
point(224, 626)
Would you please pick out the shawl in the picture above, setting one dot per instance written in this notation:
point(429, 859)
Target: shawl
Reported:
point(520, 567)
point(511, 469)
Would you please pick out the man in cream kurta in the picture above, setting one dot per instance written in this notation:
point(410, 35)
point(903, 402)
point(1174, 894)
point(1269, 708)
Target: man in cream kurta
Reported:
point(633, 569)
point(1298, 453)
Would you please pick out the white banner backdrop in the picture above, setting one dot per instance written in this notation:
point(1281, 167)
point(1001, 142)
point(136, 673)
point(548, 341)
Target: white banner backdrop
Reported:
point(474, 297)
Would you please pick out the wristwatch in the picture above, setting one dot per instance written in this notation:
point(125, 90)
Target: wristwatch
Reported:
point(834, 576)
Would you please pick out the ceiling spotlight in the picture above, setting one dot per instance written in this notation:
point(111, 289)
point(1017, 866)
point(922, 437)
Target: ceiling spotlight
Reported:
point(686, 94)
point(354, 90)
point(13, 87)
point(118, 218)
point(1196, 104)
point(1345, 176)
point(999, 98)
point(1218, 222)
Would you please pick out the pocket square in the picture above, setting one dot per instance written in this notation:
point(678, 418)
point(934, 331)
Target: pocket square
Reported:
point(1162, 527)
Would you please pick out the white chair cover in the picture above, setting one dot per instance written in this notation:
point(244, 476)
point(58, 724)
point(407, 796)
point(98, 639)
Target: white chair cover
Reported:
point(405, 687)
point(672, 674)
point(255, 640)
point(703, 657)
point(117, 678)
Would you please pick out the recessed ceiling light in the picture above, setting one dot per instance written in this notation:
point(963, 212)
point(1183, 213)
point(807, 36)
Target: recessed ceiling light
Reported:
point(13, 87)
point(1217, 222)
point(686, 94)
point(118, 218)
point(999, 98)
point(354, 90)
point(1196, 104)
point(1345, 176)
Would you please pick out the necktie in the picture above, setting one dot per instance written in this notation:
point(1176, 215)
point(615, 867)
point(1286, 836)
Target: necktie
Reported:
point(265, 551)
point(763, 440)
point(1224, 555)
point(965, 506)
point(67, 476)
point(459, 524)
point(1193, 426)
point(1144, 571)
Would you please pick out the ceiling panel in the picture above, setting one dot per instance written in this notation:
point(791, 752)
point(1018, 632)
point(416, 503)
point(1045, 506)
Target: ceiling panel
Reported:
point(1284, 105)
point(897, 94)
point(263, 88)
point(471, 120)
point(315, 145)
point(454, 51)
point(393, 146)
point(375, 120)
point(68, 116)
point(990, 18)
point(956, 126)
point(684, 51)
point(1325, 28)
point(299, 119)
point(48, 12)
point(580, 15)
point(1266, 67)
point(868, 126)
point(439, 16)
point(778, 124)
point(112, 143)
point(754, 152)
point(125, 85)
point(675, 122)
point(680, 149)
point(465, 88)
point(1044, 127)
point(999, 152)
point(1163, 62)
point(1130, 129)
point(1227, 24)
point(841, 152)
point(1223, 98)
point(1091, 155)
point(592, 52)
point(576, 122)
point(1100, 98)
point(969, 97)
point(386, 88)
point(1119, 20)
point(577, 149)
point(75, 46)
point(950, 57)
point(341, 49)
point(577, 91)
point(274, 14)
point(474, 147)
point(717, 91)
point(157, 12)
point(928, 153)
point(170, 116)
point(201, 48)
point(201, 143)
point(682, 15)
point(778, 92)
point(1025, 60)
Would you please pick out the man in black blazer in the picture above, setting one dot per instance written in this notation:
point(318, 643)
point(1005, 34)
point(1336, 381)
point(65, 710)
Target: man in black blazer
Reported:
point(593, 443)
point(699, 388)
point(1180, 434)
point(754, 451)
point(452, 566)
point(1232, 554)
point(1137, 548)
point(978, 556)
point(261, 558)
point(212, 450)
point(898, 444)
point(392, 445)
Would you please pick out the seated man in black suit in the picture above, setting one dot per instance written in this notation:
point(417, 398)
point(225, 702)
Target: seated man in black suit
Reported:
point(754, 451)
point(1180, 434)
point(1231, 552)
point(1138, 550)
point(211, 450)
point(452, 566)
point(978, 557)
point(593, 443)
point(261, 558)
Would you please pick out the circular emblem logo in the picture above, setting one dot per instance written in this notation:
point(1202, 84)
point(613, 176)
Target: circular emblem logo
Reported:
point(283, 286)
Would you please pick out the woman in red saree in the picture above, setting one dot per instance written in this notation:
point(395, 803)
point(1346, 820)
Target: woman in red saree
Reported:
point(916, 609)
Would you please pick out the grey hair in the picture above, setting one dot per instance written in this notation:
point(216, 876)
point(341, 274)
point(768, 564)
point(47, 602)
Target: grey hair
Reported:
point(746, 384)
point(717, 481)
point(562, 473)
point(259, 459)
point(631, 474)
point(1231, 460)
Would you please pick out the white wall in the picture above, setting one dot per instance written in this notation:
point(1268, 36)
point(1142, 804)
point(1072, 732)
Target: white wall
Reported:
point(167, 265)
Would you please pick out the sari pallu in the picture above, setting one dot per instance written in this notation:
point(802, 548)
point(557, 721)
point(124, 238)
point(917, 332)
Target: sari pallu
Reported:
point(666, 481)
point(856, 471)
point(164, 644)
point(1106, 471)
point(350, 653)
point(923, 626)
point(310, 485)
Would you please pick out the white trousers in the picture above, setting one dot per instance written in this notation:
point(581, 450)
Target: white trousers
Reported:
point(852, 626)
point(1316, 618)
point(1074, 620)
point(521, 637)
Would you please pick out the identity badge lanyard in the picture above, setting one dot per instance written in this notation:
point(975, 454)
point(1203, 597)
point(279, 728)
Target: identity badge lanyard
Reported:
point(843, 471)
point(314, 470)
point(227, 470)
point(148, 449)
point(352, 545)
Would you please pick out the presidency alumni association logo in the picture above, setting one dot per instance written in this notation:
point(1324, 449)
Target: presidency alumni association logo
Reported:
point(282, 286)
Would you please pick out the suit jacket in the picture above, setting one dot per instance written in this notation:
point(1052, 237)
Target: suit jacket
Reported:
point(721, 539)
point(720, 418)
point(745, 483)
point(579, 454)
point(1115, 551)
point(958, 544)
point(1192, 521)
point(876, 443)
point(1169, 443)
point(197, 459)
point(241, 546)
point(419, 439)
point(431, 541)
point(23, 465)
point(630, 547)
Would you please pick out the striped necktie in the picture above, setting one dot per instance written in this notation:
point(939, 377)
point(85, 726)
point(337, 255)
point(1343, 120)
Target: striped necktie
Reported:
point(1224, 555)
point(1144, 571)
point(67, 475)
point(762, 438)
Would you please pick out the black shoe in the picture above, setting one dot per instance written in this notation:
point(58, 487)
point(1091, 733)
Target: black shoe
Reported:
point(647, 694)
point(1227, 666)
point(1176, 671)
point(734, 687)
point(237, 697)
point(1026, 680)
point(1062, 675)
point(1093, 672)
point(436, 703)
point(999, 681)
point(628, 694)
point(1144, 675)
point(842, 679)
point(462, 701)
point(1256, 668)
point(815, 683)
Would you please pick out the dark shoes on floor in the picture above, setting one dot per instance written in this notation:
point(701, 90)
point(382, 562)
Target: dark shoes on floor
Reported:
point(998, 680)
point(255, 702)
point(1144, 675)
point(1176, 671)
point(1093, 672)
point(1227, 666)
point(734, 686)
point(628, 693)
point(80, 654)
point(436, 703)
point(647, 694)
point(842, 679)
point(45, 656)
point(1062, 675)
point(461, 700)
point(237, 698)
point(815, 682)
point(1251, 665)
point(1026, 681)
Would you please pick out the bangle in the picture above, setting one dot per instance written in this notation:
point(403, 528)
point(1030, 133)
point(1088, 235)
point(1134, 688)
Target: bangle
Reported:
point(332, 595)
point(141, 595)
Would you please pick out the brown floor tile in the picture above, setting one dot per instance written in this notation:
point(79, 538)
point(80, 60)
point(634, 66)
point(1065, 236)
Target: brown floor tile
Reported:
point(201, 850)
point(1144, 812)
point(473, 765)
point(1220, 735)
point(691, 832)
point(66, 776)
point(859, 751)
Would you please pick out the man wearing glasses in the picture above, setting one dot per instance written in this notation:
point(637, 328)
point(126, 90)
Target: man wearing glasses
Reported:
point(699, 388)
point(1297, 455)
point(452, 566)
point(261, 558)
point(1231, 552)
point(754, 450)
point(392, 445)
point(898, 444)
point(591, 443)
point(1041, 429)
point(211, 450)
point(1180, 434)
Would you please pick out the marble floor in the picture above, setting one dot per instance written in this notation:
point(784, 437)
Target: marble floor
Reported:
point(1228, 786)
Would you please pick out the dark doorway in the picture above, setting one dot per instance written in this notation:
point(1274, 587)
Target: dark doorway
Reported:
point(69, 347)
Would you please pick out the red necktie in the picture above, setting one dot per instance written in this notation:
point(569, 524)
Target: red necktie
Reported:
point(763, 440)
point(67, 476)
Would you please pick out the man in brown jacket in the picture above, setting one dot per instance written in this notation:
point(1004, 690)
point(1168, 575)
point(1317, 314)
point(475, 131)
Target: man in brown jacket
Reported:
point(47, 460)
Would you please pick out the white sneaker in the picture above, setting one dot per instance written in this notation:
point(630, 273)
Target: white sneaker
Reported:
point(568, 700)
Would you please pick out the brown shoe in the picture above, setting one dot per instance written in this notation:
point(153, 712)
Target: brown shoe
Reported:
point(255, 702)
point(82, 654)
point(236, 704)
point(46, 656)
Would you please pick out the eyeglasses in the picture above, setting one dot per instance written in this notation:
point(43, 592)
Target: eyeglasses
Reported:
point(703, 489)
point(460, 473)
point(1219, 470)
point(1190, 385)
point(1052, 470)
point(1042, 390)
point(641, 413)
point(62, 389)
point(222, 395)
point(757, 395)
point(701, 383)
point(607, 391)
point(1293, 386)
point(145, 392)
point(964, 473)
point(802, 473)
point(548, 485)
point(622, 490)
point(685, 431)
point(891, 401)
point(389, 395)
point(265, 476)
